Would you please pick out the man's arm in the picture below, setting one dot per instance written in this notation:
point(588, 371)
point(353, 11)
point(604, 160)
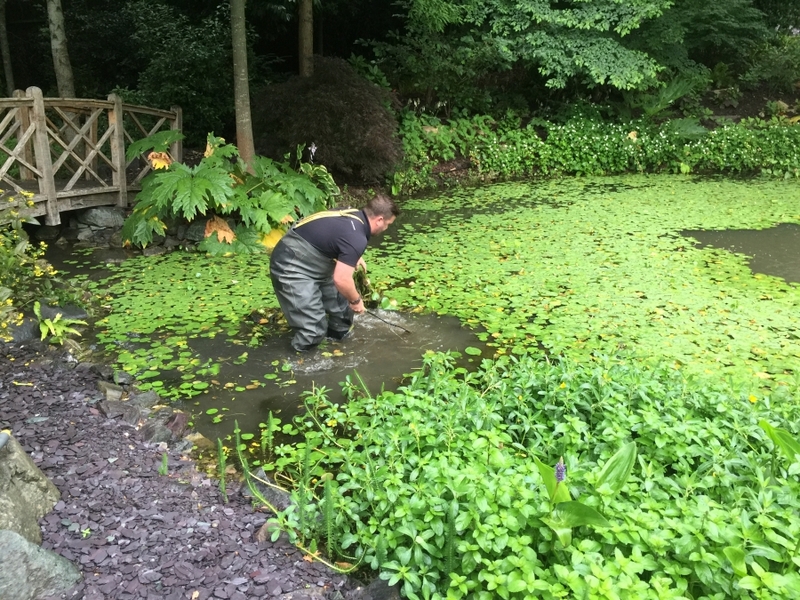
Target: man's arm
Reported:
point(343, 280)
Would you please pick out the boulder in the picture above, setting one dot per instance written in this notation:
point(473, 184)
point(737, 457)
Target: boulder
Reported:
point(26, 495)
point(47, 233)
point(30, 572)
point(68, 311)
point(102, 216)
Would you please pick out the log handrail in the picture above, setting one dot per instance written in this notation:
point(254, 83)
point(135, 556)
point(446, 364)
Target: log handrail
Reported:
point(57, 142)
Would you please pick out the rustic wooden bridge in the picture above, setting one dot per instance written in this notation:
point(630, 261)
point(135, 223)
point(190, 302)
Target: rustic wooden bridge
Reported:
point(62, 154)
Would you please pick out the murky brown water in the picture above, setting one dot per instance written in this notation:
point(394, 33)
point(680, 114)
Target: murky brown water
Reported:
point(380, 353)
point(774, 251)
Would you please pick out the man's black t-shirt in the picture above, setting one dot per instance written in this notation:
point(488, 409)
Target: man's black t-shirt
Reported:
point(343, 237)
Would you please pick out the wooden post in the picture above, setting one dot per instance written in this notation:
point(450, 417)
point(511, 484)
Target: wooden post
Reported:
point(44, 162)
point(24, 120)
point(176, 148)
point(92, 133)
point(119, 177)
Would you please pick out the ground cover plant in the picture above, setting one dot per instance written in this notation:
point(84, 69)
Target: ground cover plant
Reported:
point(532, 478)
point(490, 150)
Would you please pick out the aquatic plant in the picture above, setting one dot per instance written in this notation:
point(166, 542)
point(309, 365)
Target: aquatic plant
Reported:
point(581, 266)
point(668, 487)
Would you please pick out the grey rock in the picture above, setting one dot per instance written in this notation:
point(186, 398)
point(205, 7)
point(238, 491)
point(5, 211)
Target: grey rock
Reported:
point(196, 232)
point(26, 331)
point(155, 432)
point(112, 391)
point(30, 572)
point(26, 495)
point(47, 233)
point(154, 251)
point(102, 216)
point(145, 399)
point(69, 311)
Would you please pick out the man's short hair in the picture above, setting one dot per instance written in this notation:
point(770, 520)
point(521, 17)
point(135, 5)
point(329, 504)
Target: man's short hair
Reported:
point(382, 206)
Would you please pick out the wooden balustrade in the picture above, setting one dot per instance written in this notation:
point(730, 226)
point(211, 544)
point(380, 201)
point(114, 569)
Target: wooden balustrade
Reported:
point(61, 154)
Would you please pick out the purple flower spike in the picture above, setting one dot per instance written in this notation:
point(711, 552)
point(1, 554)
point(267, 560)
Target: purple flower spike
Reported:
point(561, 470)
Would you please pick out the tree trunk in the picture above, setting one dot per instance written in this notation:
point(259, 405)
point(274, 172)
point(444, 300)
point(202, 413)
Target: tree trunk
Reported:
point(5, 51)
point(241, 82)
point(306, 36)
point(58, 45)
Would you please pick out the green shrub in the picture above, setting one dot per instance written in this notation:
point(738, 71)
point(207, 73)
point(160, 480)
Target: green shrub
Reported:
point(345, 116)
point(776, 64)
point(263, 199)
point(25, 276)
point(449, 486)
point(497, 150)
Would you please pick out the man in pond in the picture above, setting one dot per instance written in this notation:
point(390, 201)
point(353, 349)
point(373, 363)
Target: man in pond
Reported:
point(312, 269)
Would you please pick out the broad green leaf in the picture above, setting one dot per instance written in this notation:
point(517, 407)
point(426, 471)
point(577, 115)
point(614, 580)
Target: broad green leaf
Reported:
point(557, 492)
point(736, 556)
point(577, 514)
point(782, 439)
point(617, 469)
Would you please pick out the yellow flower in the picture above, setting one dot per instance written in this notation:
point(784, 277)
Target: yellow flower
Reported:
point(753, 399)
point(633, 135)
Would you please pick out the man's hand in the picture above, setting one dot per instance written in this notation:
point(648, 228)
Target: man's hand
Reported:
point(361, 265)
point(358, 308)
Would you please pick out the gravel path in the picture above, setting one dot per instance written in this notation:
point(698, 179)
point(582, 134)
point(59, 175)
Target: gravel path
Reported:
point(132, 532)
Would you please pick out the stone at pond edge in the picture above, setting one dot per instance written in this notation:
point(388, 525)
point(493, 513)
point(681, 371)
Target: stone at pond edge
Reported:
point(69, 311)
point(377, 590)
point(102, 216)
point(26, 331)
point(278, 498)
point(30, 572)
point(145, 400)
point(26, 495)
point(112, 391)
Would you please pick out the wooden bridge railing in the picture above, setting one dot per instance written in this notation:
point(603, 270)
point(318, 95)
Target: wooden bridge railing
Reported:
point(60, 154)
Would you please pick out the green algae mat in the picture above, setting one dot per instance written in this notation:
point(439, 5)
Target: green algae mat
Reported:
point(579, 267)
point(599, 266)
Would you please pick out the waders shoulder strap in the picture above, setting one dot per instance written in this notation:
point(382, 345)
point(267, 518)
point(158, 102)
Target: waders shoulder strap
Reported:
point(351, 213)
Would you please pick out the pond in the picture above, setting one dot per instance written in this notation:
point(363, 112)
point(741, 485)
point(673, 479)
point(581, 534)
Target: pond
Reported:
point(574, 267)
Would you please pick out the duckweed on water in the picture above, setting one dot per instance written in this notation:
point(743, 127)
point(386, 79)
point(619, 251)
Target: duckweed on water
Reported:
point(577, 267)
point(587, 266)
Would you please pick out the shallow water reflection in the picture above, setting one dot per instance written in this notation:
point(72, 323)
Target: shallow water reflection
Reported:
point(774, 251)
point(379, 352)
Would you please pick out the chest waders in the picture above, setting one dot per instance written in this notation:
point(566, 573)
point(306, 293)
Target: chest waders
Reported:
point(303, 281)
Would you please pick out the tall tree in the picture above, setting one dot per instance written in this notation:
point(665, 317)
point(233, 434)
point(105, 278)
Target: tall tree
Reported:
point(241, 82)
point(305, 36)
point(5, 50)
point(58, 44)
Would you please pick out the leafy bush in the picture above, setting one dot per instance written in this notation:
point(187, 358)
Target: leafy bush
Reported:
point(25, 276)
point(589, 146)
point(264, 198)
point(346, 117)
point(777, 64)
point(451, 486)
point(179, 58)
